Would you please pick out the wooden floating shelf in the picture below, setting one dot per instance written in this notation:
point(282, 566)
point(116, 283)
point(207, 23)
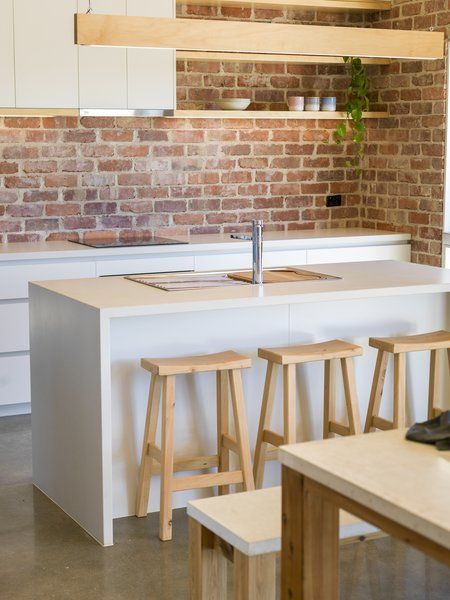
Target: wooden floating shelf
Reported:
point(272, 58)
point(325, 5)
point(268, 114)
point(260, 38)
point(39, 112)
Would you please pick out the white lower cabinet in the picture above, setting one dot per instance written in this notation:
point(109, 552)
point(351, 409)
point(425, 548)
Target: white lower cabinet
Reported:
point(15, 275)
point(359, 253)
point(14, 327)
point(15, 379)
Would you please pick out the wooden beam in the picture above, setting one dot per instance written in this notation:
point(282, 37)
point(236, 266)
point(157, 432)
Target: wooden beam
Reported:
point(271, 58)
point(323, 5)
point(250, 37)
point(267, 114)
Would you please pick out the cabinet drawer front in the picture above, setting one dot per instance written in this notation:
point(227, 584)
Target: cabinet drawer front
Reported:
point(219, 262)
point(130, 266)
point(356, 254)
point(14, 278)
point(14, 379)
point(14, 335)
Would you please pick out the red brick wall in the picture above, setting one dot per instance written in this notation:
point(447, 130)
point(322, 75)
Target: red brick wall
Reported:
point(403, 186)
point(67, 177)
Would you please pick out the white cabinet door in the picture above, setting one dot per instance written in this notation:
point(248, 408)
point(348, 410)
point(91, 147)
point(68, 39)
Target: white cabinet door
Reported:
point(46, 57)
point(14, 379)
point(103, 71)
point(7, 91)
point(151, 73)
point(359, 253)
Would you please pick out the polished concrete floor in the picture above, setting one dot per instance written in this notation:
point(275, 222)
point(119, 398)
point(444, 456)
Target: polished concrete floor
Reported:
point(45, 555)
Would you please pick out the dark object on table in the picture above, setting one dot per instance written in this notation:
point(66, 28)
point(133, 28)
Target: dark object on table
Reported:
point(435, 431)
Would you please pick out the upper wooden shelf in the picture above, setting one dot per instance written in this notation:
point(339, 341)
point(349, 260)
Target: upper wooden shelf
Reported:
point(325, 5)
point(272, 58)
point(268, 114)
point(260, 38)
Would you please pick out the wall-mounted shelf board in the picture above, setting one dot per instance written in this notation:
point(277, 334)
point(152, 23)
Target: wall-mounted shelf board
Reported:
point(325, 5)
point(267, 114)
point(271, 58)
point(251, 37)
point(39, 112)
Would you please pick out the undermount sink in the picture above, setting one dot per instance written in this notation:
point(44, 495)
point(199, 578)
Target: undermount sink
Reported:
point(196, 281)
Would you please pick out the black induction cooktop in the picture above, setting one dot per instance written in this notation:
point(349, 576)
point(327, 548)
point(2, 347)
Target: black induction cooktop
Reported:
point(154, 241)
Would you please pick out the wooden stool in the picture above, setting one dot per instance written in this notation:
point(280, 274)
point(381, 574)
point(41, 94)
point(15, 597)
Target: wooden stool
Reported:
point(164, 370)
point(289, 357)
point(399, 346)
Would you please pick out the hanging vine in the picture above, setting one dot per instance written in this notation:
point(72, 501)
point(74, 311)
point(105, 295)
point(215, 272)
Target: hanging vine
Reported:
point(357, 103)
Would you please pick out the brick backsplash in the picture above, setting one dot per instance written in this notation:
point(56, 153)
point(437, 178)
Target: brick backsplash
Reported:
point(67, 178)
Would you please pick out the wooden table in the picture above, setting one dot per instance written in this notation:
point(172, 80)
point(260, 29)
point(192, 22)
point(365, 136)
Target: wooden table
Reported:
point(401, 487)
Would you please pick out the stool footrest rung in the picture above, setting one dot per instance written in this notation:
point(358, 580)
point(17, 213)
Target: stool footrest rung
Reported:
point(190, 463)
point(207, 480)
point(273, 438)
point(381, 423)
point(339, 428)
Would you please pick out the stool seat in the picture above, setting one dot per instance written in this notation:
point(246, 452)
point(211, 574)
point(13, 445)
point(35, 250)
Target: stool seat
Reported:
point(222, 361)
point(290, 355)
point(436, 340)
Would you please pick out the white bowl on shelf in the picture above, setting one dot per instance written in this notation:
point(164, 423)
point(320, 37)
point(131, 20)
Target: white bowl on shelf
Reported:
point(233, 103)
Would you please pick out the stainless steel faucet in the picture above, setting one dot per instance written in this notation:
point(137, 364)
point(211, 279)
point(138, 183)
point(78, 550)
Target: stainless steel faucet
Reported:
point(257, 240)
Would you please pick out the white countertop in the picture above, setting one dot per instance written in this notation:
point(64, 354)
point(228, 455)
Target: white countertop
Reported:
point(403, 481)
point(119, 297)
point(352, 236)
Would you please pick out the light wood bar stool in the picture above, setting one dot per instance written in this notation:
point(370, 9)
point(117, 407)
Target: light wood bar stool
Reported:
point(228, 366)
point(399, 347)
point(288, 358)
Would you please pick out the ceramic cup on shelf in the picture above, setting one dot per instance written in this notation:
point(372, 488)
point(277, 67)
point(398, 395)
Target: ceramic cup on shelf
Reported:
point(296, 102)
point(312, 103)
point(328, 103)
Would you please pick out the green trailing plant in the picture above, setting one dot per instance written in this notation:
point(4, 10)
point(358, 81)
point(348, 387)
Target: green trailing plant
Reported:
point(357, 103)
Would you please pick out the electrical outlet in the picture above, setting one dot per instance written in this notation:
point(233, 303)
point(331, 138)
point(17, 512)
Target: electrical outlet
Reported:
point(334, 200)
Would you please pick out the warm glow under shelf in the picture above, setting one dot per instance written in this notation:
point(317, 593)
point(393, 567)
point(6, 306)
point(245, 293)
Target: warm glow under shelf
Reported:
point(268, 114)
point(325, 5)
point(271, 58)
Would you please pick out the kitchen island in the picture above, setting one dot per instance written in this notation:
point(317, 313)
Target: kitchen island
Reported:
point(89, 393)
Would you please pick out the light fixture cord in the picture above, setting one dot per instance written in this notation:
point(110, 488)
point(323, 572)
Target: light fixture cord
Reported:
point(89, 10)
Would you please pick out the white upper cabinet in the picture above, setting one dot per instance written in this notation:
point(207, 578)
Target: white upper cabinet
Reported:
point(151, 73)
point(46, 58)
point(41, 67)
point(7, 91)
point(103, 71)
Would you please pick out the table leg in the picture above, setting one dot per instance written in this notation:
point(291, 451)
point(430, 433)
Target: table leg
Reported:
point(207, 565)
point(310, 541)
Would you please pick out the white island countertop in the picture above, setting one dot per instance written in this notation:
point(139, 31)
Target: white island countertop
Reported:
point(205, 243)
point(119, 297)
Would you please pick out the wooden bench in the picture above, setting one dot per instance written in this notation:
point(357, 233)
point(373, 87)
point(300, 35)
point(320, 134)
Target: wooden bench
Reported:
point(245, 529)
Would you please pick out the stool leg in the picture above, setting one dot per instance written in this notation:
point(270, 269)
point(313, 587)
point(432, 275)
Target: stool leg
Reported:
point(222, 426)
point(377, 389)
point(240, 423)
point(399, 390)
point(329, 397)
point(289, 412)
point(351, 396)
point(207, 565)
point(433, 384)
point(151, 423)
point(254, 576)
point(168, 405)
point(264, 423)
